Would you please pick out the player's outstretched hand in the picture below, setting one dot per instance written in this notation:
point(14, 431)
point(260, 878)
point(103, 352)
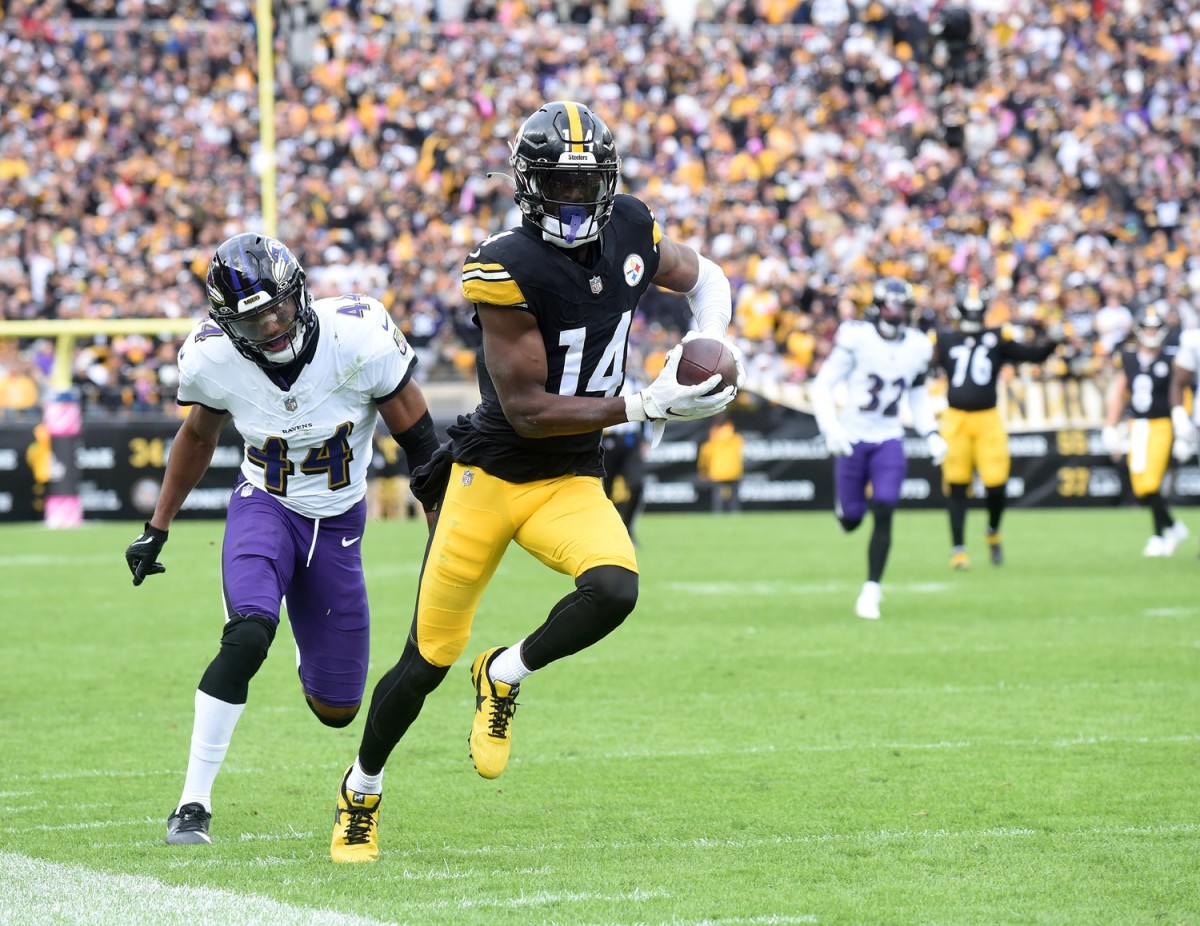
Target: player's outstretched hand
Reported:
point(937, 448)
point(666, 399)
point(142, 554)
point(1183, 448)
point(1183, 426)
point(838, 442)
point(1114, 441)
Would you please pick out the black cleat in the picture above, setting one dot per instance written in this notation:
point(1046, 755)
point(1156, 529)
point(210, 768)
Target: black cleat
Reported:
point(994, 549)
point(188, 826)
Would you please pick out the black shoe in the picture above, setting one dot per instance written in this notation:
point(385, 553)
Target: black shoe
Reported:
point(188, 826)
point(994, 549)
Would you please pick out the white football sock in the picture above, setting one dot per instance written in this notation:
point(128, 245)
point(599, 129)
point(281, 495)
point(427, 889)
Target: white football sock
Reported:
point(508, 667)
point(212, 730)
point(360, 781)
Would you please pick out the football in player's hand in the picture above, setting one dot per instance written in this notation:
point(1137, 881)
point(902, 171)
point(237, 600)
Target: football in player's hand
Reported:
point(702, 358)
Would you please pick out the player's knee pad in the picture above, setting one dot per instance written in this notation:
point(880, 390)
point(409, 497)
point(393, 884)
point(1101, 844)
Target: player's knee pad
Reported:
point(612, 589)
point(332, 715)
point(244, 644)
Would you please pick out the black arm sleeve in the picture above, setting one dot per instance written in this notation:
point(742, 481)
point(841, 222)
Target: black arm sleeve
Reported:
point(1027, 353)
point(418, 442)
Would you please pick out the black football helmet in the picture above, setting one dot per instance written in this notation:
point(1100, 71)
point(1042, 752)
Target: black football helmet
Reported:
point(891, 306)
point(969, 309)
point(1150, 328)
point(566, 168)
point(257, 295)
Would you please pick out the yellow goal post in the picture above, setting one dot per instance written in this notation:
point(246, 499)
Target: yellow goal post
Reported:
point(66, 332)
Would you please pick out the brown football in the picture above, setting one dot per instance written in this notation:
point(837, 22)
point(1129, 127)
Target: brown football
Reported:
point(701, 358)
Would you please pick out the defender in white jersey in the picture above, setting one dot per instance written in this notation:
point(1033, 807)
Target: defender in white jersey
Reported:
point(303, 383)
point(880, 361)
point(1183, 381)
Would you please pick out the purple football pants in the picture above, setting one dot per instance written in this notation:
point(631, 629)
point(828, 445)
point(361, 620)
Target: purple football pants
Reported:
point(270, 553)
point(883, 466)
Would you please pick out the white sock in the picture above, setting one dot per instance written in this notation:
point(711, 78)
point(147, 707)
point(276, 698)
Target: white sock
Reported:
point(360, 781)
point(508, 667)
point(212, 729)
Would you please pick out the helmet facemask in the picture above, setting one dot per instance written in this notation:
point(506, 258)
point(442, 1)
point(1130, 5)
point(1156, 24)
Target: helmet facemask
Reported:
point(1151, 331)
point(970, 313)
point(274, 334)
point(571, 204)
point(891, 308)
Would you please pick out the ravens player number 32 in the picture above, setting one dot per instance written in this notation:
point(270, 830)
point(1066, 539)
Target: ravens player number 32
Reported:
point(554, 298)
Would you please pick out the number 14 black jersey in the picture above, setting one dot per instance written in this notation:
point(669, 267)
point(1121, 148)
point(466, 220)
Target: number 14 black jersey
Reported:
point(583, 313)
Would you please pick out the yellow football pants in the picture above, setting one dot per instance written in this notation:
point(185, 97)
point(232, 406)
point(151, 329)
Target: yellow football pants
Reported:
point(975, 441)
point(568, 523)
point(1149, 453)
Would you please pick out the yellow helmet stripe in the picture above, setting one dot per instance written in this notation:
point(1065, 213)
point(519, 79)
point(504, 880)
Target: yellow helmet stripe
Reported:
point(576, 125)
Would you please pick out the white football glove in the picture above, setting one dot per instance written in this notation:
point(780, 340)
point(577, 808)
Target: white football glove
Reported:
point(1113, 440)
point(1182, 423)
point(937, 447)
point(666, 399)
point(1186, 438)
point(733, 349)
point(837, 442)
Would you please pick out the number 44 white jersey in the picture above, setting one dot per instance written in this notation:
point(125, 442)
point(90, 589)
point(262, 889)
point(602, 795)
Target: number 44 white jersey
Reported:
point(878, 372)
point(310, 445)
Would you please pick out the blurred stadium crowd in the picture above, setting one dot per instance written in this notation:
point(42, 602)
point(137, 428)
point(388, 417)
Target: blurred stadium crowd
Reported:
point(1045, 151)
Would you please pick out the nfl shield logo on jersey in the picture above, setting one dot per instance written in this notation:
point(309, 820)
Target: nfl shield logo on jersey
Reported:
point(596, 284)
point(289, 402)
point(467, 477)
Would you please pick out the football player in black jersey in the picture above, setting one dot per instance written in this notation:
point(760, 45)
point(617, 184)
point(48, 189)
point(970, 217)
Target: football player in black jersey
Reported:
point(1141, 391)
point(554, 298)
point(976, 440)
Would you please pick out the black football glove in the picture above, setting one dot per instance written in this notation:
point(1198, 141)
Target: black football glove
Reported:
point(142, 554)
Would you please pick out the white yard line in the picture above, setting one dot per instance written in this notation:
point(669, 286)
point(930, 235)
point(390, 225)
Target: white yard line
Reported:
point(1074, 742)
point(769, 588)
point(35, 893)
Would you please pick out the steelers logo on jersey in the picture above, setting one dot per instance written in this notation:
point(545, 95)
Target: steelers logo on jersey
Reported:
point(634, 268)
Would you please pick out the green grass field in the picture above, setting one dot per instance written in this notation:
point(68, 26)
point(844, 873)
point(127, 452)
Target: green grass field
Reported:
point(1017, 745)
